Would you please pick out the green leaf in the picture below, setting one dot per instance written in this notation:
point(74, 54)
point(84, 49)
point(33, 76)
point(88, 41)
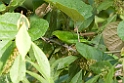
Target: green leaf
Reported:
point(62, 78)
point(77, 78)
point(23, 40)
point(66, 36)
point(18, 70)
point(101, 66)
point(5, 78)
point(40, 78)
point(90, 52)
point(94, 79)
point(36, 66)
point(104, 5)
point(8, 25)
point(16, 2)
point(120, 30)
point(98, 41)
point(38, 27)
point(9, 47)
point(109, 76)
point(86, 23)
point(76, 9)
point(36, 3)
point(42, 61)
point(63, 62)
point(3, 46)
point(25, 80)
point(2, 7)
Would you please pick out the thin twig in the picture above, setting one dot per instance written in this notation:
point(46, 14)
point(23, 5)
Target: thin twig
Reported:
point(113, 52)
point(88, 34)
point(58, 43)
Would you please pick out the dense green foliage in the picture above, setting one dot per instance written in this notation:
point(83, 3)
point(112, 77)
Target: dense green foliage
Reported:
point(61, 41)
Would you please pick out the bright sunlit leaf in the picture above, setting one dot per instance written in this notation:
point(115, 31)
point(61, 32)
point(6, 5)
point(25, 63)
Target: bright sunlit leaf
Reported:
point(23, 40)
point(42, 61)
point(18, 70)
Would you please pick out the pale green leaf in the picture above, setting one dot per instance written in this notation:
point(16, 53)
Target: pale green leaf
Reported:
point(2, 7)
point(25, 80)
point(76, 9)
point(23, 40)
point(77, 78)
point(18, 70)
point(38, 27)
point(8, 25)
point(120, 30)
point(16, 2)
point(42, 61)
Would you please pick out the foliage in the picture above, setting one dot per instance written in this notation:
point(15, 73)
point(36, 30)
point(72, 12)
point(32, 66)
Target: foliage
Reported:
point(61, 41)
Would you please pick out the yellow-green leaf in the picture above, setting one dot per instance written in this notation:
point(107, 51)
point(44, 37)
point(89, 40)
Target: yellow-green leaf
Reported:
point(23, 40)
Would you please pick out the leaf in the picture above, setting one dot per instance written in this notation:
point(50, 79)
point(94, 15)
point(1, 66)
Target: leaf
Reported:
point(23, 40)
point(100, 67)
point(73, 70)
point(99, 43)
point(62, 79)
point(8, 25)
point(36, 66)
point(42, 61)
point(75, 9)
point(89, 52)
point(105, 5)
point(86, 23)
point(63, 62)
point(4, 78)
point(3, 46)
point(18, 70)
point(38, 28)
point(40, 78)
point(120, 30)
point(109, 76)
point(16, 2)
point(36, 3)
point(2, 7)
point(93, 80)
point(66, 36)
point(77, 78)
point(122, 51)
point(9, 47)
point(25, 80)
point(111, 39)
